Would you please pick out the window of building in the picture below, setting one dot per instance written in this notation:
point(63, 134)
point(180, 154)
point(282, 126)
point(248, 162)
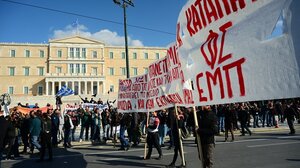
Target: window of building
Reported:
point(95, 54)
point(26, 71)
point(134, 55)
point(145, 70)
point(71, 68)
point(123, 55)
point(11, 71)
point(77, 68)
point(71, 52)
point(135, 71)
point(112, 88)
point(59, 53)
point(41, 71)
point(123, 71)
point(27, 53)
point(77, 52)
point(94, 70)
point(42, 53)
point(26, 90)
point(83, 68)
point(58, 70)
point(40, 90)
point(146, 55)
point(157, 55)
point(11, 90)
point(111, 55)
point(83, 50)
point(111, 71)
point(12, 53)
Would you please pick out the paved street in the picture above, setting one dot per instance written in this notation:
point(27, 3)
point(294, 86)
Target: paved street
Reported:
point(266, 148)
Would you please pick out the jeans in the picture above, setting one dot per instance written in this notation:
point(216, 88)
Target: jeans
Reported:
point(34, 142)
point(143, 124)
point(86, 132)
point(162, 131)
point(124, 142)
point(73, 133)
point(255, 121)
point(106, 131)
point(97, 133)
point(269, 118)
point(221, 123)
point(60, 132)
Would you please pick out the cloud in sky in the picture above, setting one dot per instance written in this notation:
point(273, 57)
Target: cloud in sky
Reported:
point(105, 35)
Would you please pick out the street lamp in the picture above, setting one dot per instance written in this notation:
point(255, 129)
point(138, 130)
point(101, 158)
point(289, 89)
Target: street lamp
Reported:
point(124, 4)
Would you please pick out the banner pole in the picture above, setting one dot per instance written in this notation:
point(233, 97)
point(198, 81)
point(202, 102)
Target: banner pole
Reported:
point(180, 138)
point(115, 136)
point(199, 147)
point(145, 148)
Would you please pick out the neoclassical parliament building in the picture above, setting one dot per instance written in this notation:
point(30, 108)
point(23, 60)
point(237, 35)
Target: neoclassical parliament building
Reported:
point(85, 65)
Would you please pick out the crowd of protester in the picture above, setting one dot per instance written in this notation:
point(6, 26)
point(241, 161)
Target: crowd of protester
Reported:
point(37, 131)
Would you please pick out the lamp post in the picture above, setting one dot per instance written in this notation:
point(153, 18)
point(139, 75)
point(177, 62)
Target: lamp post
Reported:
point(124, 4)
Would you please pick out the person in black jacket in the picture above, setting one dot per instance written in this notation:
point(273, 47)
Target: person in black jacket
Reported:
point(229, 121)
point(3, 132)
point(208, 128)
point(46, 137)
point(176, 121)
point(11, 137)
point(243, 117)
point(54, 126)
point(290, 114)
point(25, 132)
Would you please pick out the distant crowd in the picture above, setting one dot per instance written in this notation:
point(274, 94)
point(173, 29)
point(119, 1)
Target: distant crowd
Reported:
point(37, 130)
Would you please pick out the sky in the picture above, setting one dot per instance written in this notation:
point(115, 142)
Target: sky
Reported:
point(150, 23)
point(98, 19)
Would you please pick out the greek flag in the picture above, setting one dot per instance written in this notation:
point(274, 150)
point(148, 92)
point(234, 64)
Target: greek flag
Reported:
point(64, 91)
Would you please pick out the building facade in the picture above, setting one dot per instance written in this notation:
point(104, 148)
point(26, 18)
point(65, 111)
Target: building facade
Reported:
point(87, 66)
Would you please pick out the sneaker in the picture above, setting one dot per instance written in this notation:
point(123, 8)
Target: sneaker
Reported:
point(80, 140)
point(159, 157)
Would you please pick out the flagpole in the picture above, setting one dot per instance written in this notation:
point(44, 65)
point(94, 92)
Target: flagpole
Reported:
point(145, 147)
point(199, 147)
point(180, 138)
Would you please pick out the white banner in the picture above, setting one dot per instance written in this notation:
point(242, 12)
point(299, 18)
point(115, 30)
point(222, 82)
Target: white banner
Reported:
point(84, 105)
point(132, 94)
point(224, 53)
point(227, 52)
point(160, 88)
